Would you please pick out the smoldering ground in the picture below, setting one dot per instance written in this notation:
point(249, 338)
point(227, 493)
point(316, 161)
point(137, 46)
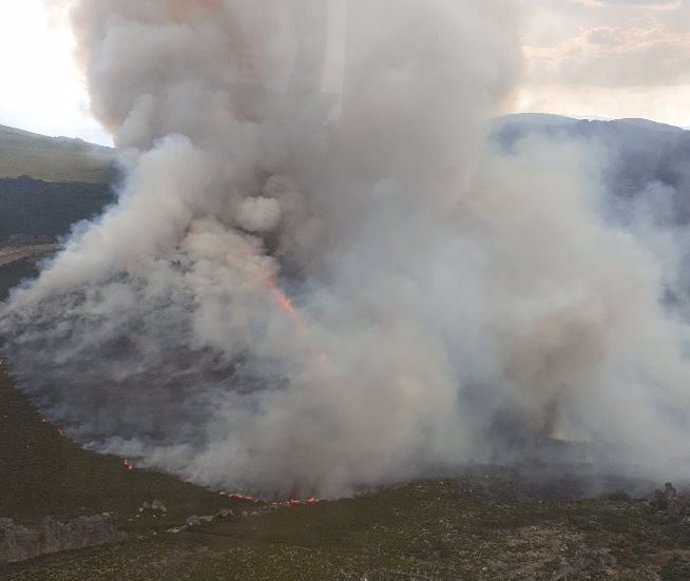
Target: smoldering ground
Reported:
point(319, 276)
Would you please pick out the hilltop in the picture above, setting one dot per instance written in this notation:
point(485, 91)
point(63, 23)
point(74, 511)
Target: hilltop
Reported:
point(53, 159)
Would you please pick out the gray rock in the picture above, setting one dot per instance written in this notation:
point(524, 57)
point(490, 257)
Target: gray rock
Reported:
point(225, 513)
point(197, 521)
point(159, 506)
point(23, 542)
point(193, 521)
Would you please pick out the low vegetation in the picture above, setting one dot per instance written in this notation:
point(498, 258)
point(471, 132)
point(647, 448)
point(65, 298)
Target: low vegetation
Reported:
point(451, 529)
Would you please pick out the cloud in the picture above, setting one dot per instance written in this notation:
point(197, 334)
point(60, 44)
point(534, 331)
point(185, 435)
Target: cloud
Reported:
point(653, 4)
point(613, 56)
point(588, 47)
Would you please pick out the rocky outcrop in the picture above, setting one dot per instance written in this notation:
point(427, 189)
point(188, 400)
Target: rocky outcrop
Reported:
point(23, 542)
point(195, 521)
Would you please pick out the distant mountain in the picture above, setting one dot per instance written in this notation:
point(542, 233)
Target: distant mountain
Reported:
point(534, 120)
point(53, 159)
point(620, 133)
point(642, 158)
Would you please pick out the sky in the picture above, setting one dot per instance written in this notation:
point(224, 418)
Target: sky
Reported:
point(589, 58)
point(609, 58)
point(42, 89)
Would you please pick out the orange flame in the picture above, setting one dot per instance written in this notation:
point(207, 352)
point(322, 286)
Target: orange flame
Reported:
point(128, 464)
point(284, 302)
point(288, 306)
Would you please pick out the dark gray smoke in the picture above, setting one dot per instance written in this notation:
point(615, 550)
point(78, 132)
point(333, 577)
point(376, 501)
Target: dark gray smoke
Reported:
point(318, 276)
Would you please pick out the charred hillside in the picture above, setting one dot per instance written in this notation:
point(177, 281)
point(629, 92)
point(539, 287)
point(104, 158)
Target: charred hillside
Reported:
point(35, 210)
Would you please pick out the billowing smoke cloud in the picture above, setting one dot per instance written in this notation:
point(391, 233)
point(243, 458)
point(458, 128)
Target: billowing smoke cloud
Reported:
point(318, 276)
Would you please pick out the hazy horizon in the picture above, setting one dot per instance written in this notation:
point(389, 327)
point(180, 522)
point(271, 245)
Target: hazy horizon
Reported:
point(582, 58)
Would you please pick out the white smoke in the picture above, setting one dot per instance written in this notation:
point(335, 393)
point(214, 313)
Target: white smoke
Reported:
point(259, 215)
point(308, 289)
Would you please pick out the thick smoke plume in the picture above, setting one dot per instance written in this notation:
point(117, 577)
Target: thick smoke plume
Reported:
point(318, 276)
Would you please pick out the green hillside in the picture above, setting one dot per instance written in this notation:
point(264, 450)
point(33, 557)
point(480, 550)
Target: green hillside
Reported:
point(53, 159)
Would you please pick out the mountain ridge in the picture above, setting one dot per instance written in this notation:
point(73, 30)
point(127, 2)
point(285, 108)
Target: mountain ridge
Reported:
point(54, 159)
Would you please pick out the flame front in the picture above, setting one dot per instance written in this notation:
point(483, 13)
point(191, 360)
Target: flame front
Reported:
point(275, 503)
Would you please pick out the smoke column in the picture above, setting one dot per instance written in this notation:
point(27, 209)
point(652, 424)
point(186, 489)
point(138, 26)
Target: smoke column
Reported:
point(318, 276)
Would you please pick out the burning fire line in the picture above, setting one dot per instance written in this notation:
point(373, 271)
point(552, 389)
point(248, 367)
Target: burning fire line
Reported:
point(284, 302)
point(275, 503)
point(128, 464)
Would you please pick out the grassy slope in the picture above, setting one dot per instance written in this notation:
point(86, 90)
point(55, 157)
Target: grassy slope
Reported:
point(50, 159)
point(457, 529)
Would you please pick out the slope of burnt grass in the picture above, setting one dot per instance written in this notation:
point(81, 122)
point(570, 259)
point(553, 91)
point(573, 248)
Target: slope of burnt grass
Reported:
point(35, 209)
point(12, 274)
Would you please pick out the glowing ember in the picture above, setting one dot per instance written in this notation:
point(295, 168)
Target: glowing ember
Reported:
point(128, 464)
